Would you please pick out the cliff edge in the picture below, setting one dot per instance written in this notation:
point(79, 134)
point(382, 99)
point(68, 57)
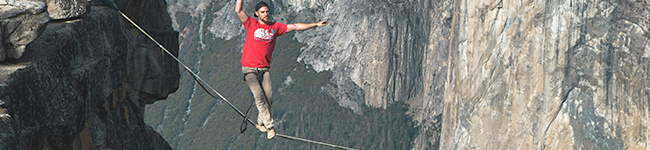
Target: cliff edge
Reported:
point(75, 75)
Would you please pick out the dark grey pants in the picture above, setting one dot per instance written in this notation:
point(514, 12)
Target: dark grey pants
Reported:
point(259, 81)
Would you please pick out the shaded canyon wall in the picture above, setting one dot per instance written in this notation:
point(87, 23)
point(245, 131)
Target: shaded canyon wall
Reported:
point(75, 75)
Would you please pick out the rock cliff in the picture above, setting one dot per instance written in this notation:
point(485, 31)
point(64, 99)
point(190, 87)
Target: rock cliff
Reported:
point(548, 75)
point(75, 75)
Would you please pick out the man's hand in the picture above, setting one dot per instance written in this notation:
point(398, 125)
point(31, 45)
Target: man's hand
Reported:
point(321, 24)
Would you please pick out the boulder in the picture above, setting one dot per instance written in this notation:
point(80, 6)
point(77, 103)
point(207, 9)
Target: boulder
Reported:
point(65, 9)
point(20, 23)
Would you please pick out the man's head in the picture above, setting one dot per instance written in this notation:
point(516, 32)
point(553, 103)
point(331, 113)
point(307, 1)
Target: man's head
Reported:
point(262, 11)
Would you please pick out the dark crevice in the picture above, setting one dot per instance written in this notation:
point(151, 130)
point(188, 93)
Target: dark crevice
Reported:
point(65, 19)
point(566, 96)
point(571, 79)
point(10, 61)
point(14, 29)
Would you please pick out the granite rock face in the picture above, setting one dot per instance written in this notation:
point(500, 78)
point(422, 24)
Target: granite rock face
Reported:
point(82, 81)
point(20, 23)
point(548, 75)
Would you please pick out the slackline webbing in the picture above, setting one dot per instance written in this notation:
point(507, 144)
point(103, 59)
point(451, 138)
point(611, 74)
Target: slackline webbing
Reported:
point(203, 84)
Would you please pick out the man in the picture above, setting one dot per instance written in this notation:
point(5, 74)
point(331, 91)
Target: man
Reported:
point(256, 57)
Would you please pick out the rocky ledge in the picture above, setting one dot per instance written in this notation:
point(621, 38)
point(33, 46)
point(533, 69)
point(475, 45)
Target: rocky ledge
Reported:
point(75, 75)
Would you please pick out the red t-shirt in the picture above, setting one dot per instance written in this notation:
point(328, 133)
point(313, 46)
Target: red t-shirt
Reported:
point(260, 42)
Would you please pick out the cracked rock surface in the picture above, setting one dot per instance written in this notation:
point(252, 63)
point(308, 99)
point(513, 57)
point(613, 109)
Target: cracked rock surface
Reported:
point(548, 75)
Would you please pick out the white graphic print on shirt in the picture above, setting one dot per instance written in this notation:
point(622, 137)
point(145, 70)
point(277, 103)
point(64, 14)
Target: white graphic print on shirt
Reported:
point(263, 35)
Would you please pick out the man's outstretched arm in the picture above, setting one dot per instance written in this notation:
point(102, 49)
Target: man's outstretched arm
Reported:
point(304, 26)
point(240, 13)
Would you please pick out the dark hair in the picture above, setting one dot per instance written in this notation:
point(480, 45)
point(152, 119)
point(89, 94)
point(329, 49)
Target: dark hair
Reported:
point(260, 5)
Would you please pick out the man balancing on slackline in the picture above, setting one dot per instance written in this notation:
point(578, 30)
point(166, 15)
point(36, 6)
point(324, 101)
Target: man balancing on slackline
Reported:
point(256, 57)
